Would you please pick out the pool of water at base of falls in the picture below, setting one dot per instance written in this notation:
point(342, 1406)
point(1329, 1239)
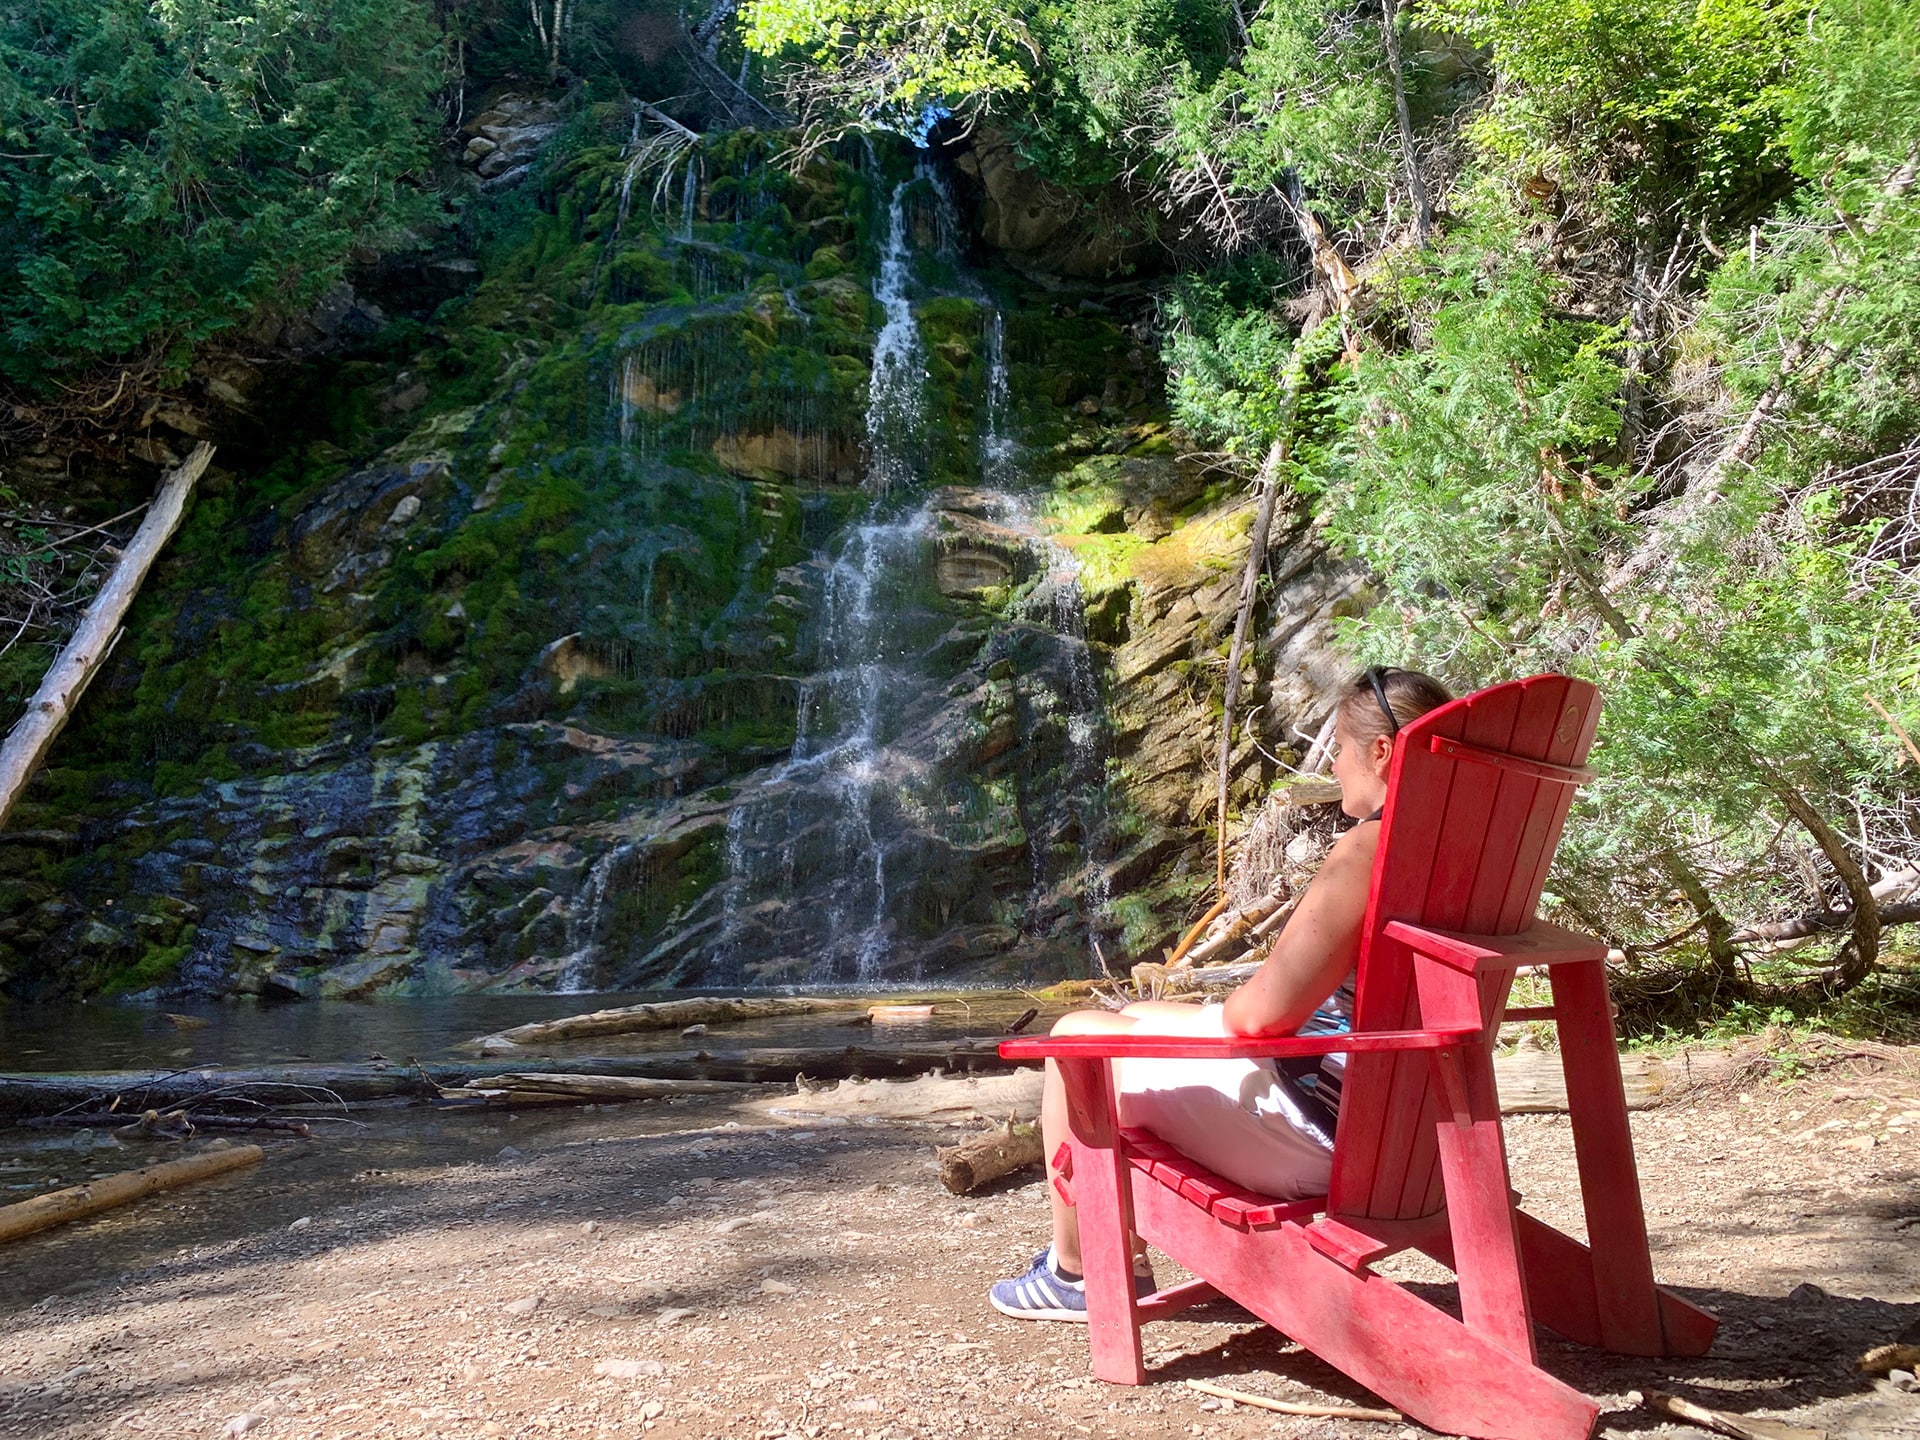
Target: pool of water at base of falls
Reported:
point(239, 1032)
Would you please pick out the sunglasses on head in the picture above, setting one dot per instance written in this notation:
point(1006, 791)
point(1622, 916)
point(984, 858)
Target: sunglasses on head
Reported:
point(1376, 676)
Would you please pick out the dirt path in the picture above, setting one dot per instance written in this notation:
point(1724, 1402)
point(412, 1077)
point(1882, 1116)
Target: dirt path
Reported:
point(683, 1271)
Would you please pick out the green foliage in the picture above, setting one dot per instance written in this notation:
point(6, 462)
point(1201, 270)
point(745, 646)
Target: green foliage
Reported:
point(887, 61)
point(1652, 100)
point(176, 166)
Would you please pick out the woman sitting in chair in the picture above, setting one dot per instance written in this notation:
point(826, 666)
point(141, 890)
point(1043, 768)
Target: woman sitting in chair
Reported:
point(1263, 1124)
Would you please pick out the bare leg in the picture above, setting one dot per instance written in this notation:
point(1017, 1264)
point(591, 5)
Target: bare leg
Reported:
point(1152, 1016)
point(1053, 1129)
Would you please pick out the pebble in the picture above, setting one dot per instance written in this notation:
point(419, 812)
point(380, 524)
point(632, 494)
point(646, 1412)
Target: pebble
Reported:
point(653, 1409)
point(507, 1152)
point(523, 1306)
point(589, 1227)
point(1902, 1380)
point(775, 1287)
point(302, 1223)
point(672, 1315)
point(241, 1424)
point(727, 1227)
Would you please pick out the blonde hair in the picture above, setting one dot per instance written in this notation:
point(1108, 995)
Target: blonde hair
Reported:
point(1409, 694)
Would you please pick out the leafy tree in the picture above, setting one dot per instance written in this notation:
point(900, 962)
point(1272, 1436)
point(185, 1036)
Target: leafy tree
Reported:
point(173, 167)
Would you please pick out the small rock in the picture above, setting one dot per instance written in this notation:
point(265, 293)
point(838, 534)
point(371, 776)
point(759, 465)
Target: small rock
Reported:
point(653, 1409)
point(526, 1305)
point(1903, 1380)
point(1861, 1143)
point(672, 1315)
point(588, 1227)
point(694, 1030)
point(738, 1222)
point(970, 1221)
point(302, 1223)
point(775, 1287)
point(626, 1369)
point(408, 507)
point(1806, 1293)
point(241, 1424)
point(507, 1152)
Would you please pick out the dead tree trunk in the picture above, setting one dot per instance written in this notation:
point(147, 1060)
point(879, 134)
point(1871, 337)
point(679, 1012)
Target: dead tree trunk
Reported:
point(46, 714)
point(45, 1211)
point(1416, 183)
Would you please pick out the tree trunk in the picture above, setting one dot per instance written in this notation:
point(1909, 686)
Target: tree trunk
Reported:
point(45, 1211)
point(1416, 184)
point(661, 1015)
point(1726, 963)
point(67, 679)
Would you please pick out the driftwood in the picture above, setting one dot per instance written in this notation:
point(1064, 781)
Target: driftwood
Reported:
point(1740, 1427)
point(1533, 1082)
point(45, 1094)
point(173, 1125)
point(67, 678)
point(79, 1201)
point(1151, 979)
point(1237, 929)
point(600, 1088)
point(987, 1156)
point(1289, 1407)
point(929, 1099)
point(659, 1015)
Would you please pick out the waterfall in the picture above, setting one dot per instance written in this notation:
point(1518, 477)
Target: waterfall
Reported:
point(937, 615)
point(895, 396)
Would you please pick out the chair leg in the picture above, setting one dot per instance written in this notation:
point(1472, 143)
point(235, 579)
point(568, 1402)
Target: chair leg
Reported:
point(1629, 1310)
point(1103, 1204)
point(1473, 1163)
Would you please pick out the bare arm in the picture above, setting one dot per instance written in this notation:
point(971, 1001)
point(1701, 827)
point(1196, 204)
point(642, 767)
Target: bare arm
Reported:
point(1317, 948)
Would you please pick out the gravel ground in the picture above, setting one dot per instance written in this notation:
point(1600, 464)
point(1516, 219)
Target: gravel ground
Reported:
point(691, 1269)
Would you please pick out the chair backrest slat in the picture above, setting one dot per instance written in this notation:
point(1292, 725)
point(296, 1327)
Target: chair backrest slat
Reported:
point(1464, 846)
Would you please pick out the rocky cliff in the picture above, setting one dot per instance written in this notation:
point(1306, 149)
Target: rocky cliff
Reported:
point(527, 654)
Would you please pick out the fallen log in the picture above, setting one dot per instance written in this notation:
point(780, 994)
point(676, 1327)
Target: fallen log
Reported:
point(929, 1099)
point(1782, 933)
point(79, 1201)
point(174, 1124)
point(656, 1015)
point(74, 667)
point(1534, 1082)
point(288, 1085)
point(987, 1156)
point(596, 1088)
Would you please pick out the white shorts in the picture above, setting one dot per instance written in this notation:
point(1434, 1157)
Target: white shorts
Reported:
point(1236, 1117)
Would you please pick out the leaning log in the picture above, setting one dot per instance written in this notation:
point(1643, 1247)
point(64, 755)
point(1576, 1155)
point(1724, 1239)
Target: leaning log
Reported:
point(985, 1157)
point(306, 1085)
point(67, 678)
point(79, 1201)
point(656, 1015)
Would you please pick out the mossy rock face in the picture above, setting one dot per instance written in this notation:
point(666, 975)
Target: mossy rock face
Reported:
point(484, 689)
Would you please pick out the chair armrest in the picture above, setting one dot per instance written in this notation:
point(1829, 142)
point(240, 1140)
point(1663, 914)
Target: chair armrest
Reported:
point(1228, 1047)
point(1539, 944)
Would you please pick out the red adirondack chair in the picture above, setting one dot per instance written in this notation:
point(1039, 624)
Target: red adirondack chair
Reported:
point(1476, 797)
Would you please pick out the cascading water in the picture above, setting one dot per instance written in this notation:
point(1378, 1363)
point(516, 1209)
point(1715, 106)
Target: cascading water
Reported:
point(871, 852)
